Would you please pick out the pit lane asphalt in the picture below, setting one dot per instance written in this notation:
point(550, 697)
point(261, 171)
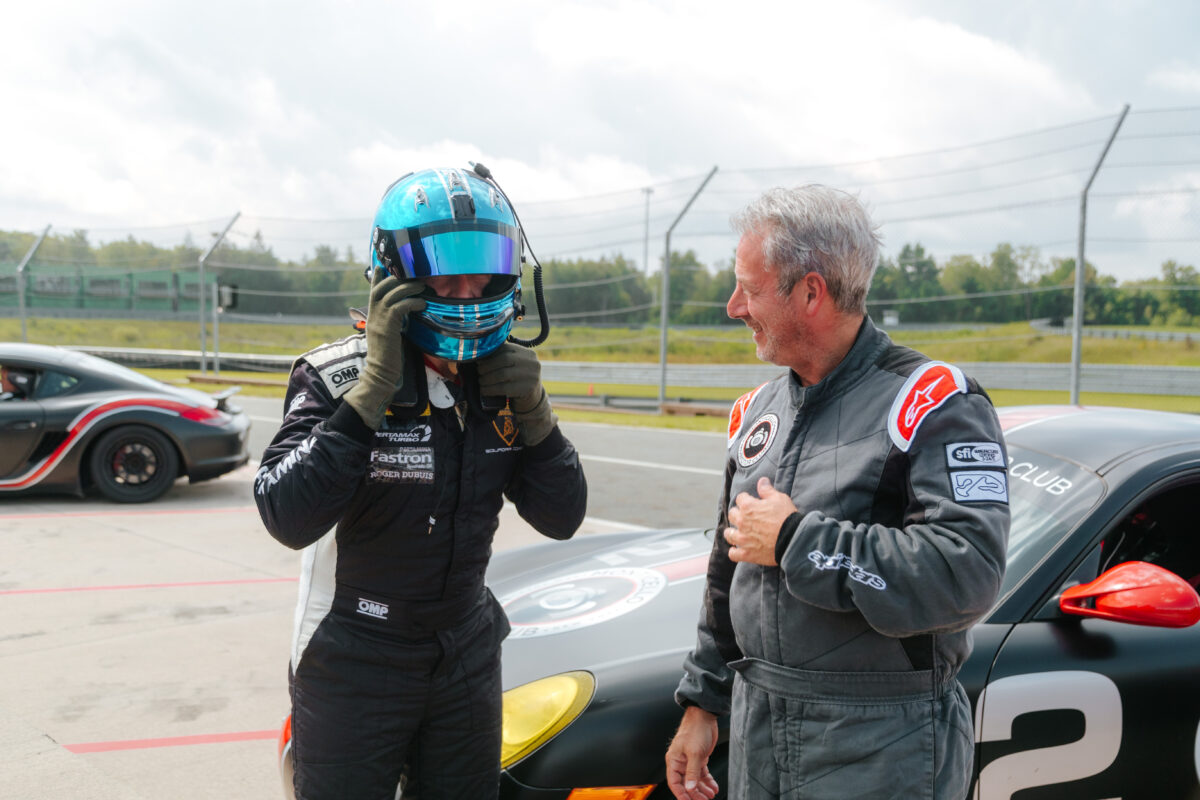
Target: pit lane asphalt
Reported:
point(143, 649)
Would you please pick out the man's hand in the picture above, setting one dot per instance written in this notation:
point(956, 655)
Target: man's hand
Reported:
point(514, 372)
point(754, 524)
point(392, 300)
point(687, 759)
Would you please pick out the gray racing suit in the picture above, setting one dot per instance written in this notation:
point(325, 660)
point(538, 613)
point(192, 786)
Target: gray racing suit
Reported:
point(839, 666)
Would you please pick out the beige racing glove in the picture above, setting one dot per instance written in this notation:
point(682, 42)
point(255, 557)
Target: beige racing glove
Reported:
point(514, 372)
point(392, 300)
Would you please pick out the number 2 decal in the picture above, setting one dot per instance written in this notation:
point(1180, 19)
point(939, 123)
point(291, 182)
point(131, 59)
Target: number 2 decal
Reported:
point(1090, 693)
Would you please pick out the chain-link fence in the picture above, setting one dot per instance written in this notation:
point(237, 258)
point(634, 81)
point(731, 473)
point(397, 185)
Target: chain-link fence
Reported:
point(982, 232)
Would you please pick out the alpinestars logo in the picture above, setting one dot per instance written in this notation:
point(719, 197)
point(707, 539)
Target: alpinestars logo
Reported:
point(839, 561)
point(929, 386)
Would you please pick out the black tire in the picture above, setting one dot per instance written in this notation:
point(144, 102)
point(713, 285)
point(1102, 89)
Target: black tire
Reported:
point(133, 464)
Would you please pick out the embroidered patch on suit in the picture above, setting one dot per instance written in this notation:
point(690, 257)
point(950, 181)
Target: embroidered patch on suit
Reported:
point(979, 486)
point(401, 465)
point(974, 454)
point(926, 389)
point(506, 426)
point(758, 439)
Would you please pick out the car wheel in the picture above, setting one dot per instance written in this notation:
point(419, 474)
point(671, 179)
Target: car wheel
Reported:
point(133, 464)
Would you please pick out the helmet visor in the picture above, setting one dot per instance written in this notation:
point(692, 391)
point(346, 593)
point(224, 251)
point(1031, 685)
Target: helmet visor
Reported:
point(480, 246)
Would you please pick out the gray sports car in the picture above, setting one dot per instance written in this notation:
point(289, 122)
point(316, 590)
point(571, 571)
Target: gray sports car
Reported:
point(1085, 677)
point(71, 423)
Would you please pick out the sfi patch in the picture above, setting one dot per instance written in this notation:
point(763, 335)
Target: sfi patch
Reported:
point(580, 600)
point(930, 386)
point(979, 486)
point(974, 454)
point(758, 439)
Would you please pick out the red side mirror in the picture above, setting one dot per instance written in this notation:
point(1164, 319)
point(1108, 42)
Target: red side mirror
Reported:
point(1138, 593)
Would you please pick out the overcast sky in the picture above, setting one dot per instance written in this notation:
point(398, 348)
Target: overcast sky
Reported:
point(138, 114)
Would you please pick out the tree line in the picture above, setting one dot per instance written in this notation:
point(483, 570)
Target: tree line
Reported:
point(1012, 283)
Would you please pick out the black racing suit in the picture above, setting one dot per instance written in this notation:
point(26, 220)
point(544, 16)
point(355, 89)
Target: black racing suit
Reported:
point(395, 654)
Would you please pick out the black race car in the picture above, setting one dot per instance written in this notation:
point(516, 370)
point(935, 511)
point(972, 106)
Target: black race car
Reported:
point(71, 422)
point(1085, 677)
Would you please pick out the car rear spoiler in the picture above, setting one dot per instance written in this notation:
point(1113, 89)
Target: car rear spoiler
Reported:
point(223, 396)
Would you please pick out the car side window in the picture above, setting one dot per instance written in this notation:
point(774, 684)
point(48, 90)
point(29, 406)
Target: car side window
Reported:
point(1161, 530)
point(52, 384)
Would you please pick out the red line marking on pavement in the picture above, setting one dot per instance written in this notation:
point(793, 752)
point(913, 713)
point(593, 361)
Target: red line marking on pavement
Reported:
point(124, 513)
point(171, 741)
point(146, 586)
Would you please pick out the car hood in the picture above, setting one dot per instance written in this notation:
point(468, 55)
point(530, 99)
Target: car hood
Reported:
point(599, 600)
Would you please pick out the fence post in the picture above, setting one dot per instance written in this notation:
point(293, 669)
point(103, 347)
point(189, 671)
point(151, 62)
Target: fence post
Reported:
point(216, 312)
point(21, 281)
point(1080, 268)
point(200, 291)
point(665, 300)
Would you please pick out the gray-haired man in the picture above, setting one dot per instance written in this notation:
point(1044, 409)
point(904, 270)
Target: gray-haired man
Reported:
point(856, 545)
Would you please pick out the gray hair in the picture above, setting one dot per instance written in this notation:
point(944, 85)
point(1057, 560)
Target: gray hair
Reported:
point(815, 228)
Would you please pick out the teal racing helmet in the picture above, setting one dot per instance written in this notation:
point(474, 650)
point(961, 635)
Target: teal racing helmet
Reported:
point(452, 222)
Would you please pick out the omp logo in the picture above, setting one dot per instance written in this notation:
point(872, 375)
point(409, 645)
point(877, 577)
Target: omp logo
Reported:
point(344, 375)
point(974, 454)
point(372, 609)
point(839, 561)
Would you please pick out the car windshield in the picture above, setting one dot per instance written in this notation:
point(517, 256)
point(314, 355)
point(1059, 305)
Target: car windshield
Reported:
point(1047, 497)
point(91, 362)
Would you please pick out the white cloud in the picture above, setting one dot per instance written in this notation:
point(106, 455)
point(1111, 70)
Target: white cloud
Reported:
point(1176, 77)
point(139, 113)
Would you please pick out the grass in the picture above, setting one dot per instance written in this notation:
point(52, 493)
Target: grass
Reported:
point(1016, 341)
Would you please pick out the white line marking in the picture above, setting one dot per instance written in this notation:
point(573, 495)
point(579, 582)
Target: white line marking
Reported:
point(620, 526)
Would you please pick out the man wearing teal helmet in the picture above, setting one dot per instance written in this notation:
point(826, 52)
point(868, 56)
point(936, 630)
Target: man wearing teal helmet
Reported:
point(397, 450)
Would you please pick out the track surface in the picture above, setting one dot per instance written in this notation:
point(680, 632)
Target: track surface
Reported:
point(143, 649)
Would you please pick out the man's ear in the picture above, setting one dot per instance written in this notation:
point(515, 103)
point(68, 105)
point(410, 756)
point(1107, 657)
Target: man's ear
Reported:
point(810, 293)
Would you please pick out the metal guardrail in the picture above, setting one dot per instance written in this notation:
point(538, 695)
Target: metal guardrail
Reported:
point(1116, 378)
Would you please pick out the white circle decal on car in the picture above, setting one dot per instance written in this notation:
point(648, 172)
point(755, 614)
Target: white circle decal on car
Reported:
point(580, 600)
point(758, 439)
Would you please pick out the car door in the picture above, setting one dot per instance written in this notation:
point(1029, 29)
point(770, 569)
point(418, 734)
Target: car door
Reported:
point(21, 425)
point(1091, 708)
